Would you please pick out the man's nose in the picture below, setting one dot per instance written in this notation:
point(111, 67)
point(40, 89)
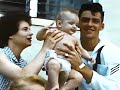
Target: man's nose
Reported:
point(90, 23)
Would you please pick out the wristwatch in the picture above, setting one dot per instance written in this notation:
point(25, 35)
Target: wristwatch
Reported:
point(81, 66)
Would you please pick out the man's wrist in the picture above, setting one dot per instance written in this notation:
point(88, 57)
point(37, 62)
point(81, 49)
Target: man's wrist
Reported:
point(86, 72)
point(81, 66)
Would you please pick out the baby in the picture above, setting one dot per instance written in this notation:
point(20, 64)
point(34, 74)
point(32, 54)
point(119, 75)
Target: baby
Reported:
point(60, 74)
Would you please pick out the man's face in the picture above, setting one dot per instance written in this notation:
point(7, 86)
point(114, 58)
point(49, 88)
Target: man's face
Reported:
point(90, 24)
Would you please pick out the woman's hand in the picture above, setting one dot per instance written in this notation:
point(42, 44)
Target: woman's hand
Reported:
point(72, 55)
point(52, 38)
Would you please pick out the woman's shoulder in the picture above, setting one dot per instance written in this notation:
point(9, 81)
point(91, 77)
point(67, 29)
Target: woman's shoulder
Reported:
point(3, 57)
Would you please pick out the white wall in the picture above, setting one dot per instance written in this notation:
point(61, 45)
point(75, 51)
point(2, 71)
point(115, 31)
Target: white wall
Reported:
point(112, 20)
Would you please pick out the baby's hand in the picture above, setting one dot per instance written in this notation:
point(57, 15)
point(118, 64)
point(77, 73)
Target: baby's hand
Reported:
point(92, 60)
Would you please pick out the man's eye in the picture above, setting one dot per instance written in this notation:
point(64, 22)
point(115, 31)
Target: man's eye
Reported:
point(85, 20)
point(96, 21)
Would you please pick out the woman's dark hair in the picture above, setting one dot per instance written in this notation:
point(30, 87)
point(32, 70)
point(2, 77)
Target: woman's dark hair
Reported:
point(9, 24)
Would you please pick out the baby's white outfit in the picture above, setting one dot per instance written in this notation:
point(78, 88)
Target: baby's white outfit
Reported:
point(65, 65)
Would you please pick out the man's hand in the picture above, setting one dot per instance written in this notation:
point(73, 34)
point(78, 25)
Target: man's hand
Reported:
point(72, 56)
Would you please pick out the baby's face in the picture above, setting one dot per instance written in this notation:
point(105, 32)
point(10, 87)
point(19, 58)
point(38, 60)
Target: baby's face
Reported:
point(69, 24)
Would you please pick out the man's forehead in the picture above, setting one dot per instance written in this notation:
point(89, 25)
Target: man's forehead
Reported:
point(90, 14)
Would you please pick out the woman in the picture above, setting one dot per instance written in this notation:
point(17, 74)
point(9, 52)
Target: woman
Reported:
point(15, 36)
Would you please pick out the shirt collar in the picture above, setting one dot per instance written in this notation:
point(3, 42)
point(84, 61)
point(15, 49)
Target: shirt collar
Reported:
point(100, 44)
point(11, 55)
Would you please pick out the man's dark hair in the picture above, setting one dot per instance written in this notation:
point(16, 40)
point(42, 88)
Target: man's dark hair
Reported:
point(9, 24)
point(93, 7)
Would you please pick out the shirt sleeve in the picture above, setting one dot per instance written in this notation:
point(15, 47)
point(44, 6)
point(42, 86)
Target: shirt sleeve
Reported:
point(100, 82)
point(108, 75)
point(1, 50)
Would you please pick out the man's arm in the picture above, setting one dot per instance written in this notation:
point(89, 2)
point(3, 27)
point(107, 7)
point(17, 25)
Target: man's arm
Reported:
point(95, 80)
point(74, 58)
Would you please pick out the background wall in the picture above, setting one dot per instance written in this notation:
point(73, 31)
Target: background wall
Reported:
point(112, 20)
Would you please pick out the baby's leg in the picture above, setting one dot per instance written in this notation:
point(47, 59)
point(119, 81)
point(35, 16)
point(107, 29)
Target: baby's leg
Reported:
point(75, 79)
point(53, 74)
point(63, 76)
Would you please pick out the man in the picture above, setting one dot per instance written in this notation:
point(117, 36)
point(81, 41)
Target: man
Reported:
point(105, 74)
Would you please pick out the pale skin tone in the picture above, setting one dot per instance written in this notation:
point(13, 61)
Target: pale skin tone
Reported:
point(68, 26)
point(24, 34)
point(90, 26)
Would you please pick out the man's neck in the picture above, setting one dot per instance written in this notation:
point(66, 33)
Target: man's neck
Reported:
point(89, 44)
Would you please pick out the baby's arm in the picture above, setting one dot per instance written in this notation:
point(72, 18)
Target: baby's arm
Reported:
point(84, 53)
point(41, 35)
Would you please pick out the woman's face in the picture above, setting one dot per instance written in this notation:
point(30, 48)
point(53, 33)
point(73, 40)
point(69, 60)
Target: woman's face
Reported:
point(23, 37)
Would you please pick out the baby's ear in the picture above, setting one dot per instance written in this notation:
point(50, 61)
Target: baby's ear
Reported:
point(58, 23)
